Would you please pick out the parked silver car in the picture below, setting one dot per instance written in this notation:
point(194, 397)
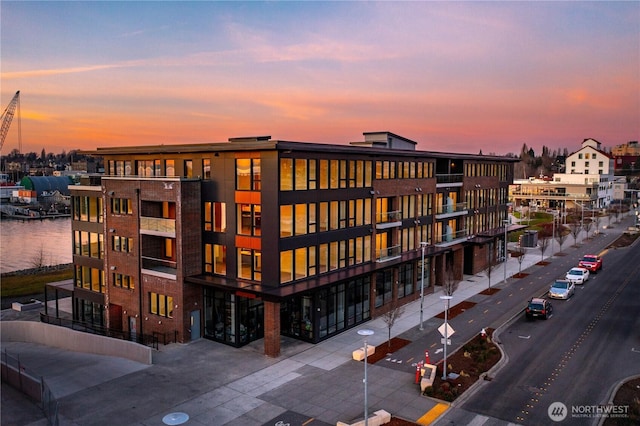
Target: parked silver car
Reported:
point(562, 289)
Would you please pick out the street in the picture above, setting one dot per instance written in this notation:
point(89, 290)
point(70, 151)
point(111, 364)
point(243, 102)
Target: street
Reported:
point(576, 356)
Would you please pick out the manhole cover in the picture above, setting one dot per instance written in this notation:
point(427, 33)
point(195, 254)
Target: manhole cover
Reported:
point(175, 418)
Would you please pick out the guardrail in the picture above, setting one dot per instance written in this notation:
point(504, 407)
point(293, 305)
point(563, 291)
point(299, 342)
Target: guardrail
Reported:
point(150, 340)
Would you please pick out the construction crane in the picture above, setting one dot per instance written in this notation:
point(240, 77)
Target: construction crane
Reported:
point(7, 117)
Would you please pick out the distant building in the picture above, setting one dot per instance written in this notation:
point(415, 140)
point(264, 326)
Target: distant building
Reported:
point(256, 238)
point(588, 182)
point(627, 149)
point(44, 185)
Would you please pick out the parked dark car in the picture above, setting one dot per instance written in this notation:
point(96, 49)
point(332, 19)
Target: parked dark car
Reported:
point(538, 308)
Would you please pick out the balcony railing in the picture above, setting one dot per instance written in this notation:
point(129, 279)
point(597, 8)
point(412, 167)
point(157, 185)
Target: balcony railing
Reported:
point(451, 208)
point(158, 225)
point(450, 237)
point(385, 217)
point(450, 178)
point(159, 267)
point(389, 253)
point(547, 193)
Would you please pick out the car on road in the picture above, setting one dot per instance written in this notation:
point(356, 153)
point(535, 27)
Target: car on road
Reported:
point(562, 289)
point(578, 275)
point(538, 308)
point(592, 262)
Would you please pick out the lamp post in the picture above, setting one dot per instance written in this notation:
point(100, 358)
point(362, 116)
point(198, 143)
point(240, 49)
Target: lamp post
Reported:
point(365, 333)
point(446, 334)
point(553, 232)
point(506, 222)
point(423, 245)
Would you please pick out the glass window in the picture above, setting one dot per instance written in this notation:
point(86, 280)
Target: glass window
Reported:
point(208, 258)
point(206, 168)
point(301, 263)
point(170, 167)
point(208, 213)
point(188, 168)
point(220, 259)
point(286, 266)
point(324, 174)
point(301, 219)
point(312, 174)
point(248, 176)
point(333, 174)
point(286, 174)
point(301, 175)
point(243, 174)
point(286, 221)
point(249, 264)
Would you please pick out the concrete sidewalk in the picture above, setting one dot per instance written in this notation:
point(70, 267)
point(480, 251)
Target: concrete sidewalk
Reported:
point(308, 384)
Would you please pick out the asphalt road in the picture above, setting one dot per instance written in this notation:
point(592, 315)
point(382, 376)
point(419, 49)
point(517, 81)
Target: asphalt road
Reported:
point(495, 310)
point(576, 357)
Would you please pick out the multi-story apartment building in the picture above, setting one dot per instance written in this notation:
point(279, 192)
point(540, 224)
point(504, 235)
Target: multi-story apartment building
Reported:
point(256, 238)
point(588, 182)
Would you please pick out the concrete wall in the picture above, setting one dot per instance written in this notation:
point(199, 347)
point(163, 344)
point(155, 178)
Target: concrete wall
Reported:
point(64, 338)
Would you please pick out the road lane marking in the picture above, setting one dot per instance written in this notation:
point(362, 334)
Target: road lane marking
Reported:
point(525, 337)
point(485, 311)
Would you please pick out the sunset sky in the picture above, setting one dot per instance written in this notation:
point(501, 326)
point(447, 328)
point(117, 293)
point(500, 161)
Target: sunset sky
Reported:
point(453, 76)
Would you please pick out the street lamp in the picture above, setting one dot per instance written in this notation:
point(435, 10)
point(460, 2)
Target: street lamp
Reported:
point(365, 333)
point(446, 334)
point(506, 222)
point(423, 245)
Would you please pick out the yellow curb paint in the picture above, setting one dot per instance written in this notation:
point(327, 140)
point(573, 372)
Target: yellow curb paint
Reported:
point(431, 415)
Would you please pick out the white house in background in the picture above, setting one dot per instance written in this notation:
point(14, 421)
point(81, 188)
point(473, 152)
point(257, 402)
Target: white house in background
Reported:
point(590, 166)
point(589, 182)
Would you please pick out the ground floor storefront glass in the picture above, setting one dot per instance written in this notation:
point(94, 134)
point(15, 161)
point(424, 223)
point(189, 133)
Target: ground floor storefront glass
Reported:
point(90, 313)
point(232, 319)
point(323, 313)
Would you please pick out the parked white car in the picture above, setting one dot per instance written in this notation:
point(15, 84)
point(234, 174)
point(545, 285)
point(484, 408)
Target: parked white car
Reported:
point(578, 275)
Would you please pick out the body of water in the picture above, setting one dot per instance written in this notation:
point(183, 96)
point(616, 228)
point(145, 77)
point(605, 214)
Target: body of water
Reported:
point(31, 243)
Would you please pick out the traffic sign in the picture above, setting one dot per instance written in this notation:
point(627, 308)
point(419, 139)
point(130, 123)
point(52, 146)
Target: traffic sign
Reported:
point(446, 327)
point(448, 341)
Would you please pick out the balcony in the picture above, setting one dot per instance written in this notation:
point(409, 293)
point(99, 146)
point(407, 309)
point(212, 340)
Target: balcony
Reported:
point(450, 210)
point(388, 253)
point(388, 219)
point(451, 238)
point(451, 179)
point(158, 226)
point(159, 267)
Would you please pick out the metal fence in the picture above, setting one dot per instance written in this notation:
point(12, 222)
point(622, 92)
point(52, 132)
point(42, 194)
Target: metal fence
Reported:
point(151, 340)
point(20, 377)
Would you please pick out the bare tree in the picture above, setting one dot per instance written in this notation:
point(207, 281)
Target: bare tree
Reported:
point(543, 243)
point(587, 225)
point(575, 229)
point(561, 235)
point(597, 220)
point(450, 282)
point(38, 259)
point(391, 316)
point(519, 255)
point(492, 263)
point(610, 214)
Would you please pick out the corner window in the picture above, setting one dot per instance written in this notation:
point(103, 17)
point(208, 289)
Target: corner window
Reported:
point(248, 176)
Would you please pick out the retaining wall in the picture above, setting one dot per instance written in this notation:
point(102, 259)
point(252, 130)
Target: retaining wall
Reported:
point(72, 340)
